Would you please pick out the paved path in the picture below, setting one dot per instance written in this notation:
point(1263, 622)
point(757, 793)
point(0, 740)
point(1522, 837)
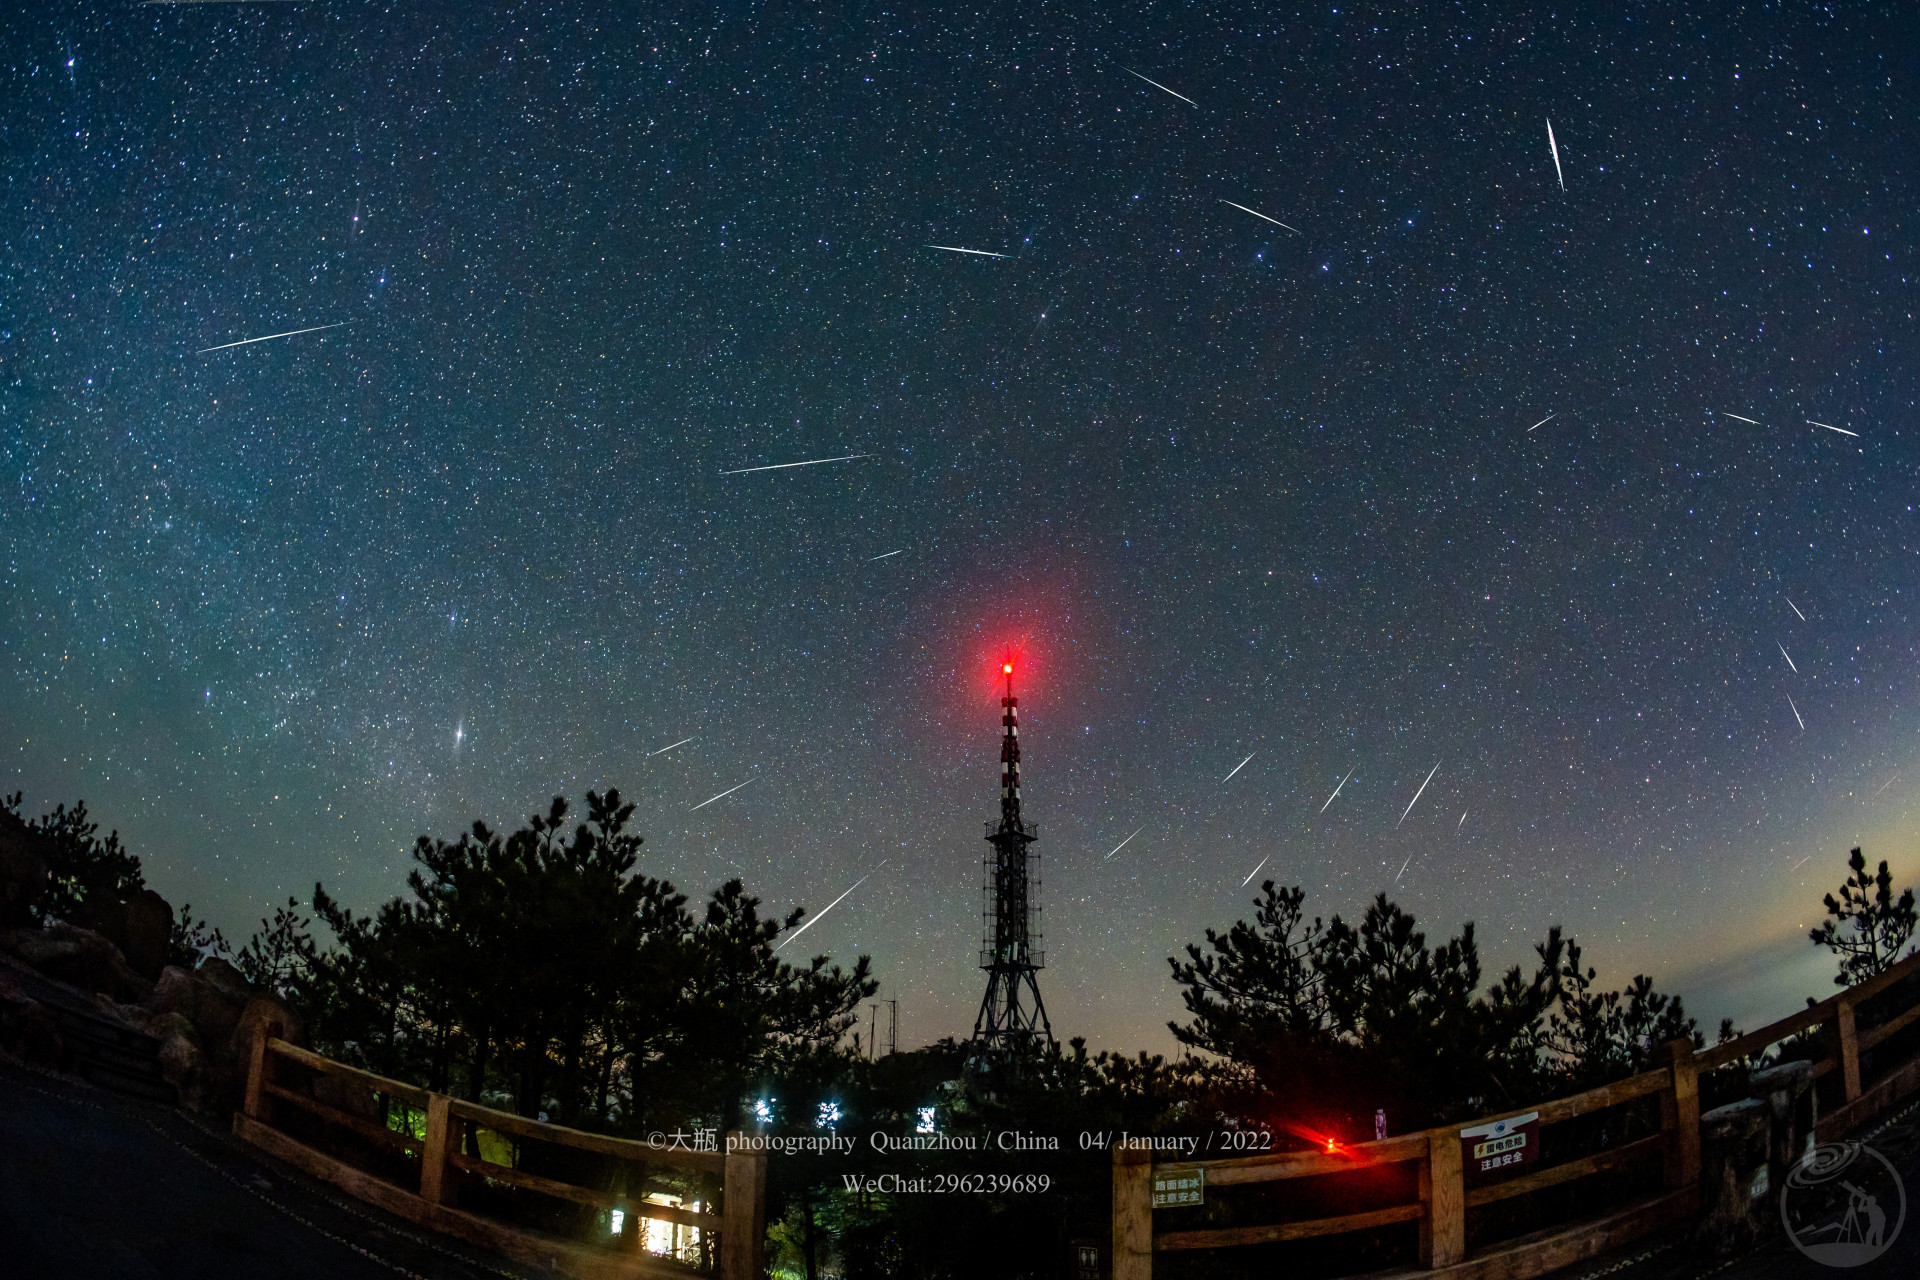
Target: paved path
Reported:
point(94, 1186)
point(1776, 1258)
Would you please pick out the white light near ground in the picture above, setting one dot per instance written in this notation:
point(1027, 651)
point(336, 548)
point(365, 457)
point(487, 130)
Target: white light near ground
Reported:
point(926, 1121)
point(618, 1218)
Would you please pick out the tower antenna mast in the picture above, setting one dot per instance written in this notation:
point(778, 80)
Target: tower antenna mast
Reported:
point(1012, 1016)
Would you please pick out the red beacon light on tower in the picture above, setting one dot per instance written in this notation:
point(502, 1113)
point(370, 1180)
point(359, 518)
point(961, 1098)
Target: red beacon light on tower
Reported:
point(1006, 668)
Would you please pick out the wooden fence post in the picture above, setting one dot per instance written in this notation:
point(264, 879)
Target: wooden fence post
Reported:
point(1132, 1213)
point(435, 1186)
point(1848, 1051)
point(1680, 1115)
point(1443, 1201)
point(743, 1231)
point(259, 1103)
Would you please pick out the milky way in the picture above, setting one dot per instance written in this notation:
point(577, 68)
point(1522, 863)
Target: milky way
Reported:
point(1226, 490)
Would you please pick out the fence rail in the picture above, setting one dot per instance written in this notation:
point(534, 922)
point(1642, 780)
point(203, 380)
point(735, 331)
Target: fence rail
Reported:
point(1443, 1196)
point(739, 1227)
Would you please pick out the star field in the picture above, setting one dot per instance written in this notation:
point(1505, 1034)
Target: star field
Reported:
point(275, 609)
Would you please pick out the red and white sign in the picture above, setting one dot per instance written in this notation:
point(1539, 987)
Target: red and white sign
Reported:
point(1501, 1145)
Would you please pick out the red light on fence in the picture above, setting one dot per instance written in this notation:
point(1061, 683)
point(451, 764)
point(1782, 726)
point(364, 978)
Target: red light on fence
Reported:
point(1329, 1146)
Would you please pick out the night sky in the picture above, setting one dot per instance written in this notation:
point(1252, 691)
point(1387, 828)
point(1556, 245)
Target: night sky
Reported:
point(274, 610)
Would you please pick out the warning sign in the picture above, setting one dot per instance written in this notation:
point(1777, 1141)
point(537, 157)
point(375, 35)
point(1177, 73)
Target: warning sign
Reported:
point(1178, 1188)
point(1501, 1145)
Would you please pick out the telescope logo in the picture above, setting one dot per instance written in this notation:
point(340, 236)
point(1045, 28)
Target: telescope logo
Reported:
point(1843, 1204)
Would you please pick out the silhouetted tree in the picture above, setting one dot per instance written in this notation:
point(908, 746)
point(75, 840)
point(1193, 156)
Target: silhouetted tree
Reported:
point(80, 865)
point(540, 965)
point(1597, 1036)
point(1335, 1020)
point(193, 940)
point(1876, 924)
point(280, 955)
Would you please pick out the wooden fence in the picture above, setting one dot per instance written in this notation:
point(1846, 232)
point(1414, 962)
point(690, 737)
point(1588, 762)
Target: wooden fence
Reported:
point(740, 1226)
point(1443, 1196)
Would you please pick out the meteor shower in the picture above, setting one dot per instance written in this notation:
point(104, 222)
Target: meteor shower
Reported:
point(1107, 642)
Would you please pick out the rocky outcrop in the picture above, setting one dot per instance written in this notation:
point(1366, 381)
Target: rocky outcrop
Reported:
point(183, 1060)
point(28, 1031)
point(141, 927)
point(199, 1024)
point(23, 872)
point(223, 1013)
point(80, 958)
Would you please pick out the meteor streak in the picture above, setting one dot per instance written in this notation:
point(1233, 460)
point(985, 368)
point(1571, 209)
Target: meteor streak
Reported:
point(670, 746)
point(1416, 797)
point(1756, 422)
point(1403, 869)
point(1796, 713)
point(1842, 430)
point(955, 249)
point(823, 911)
point(710, 799)
point(1883, 786)
point(1796, 609)
point(1256, 871)
point(1796, 866)
point(1162, 88)
point(1237, 768)
point(1787, 656)
point(1256, 213)
point(1544, 421)
point(812, 462)
point(871, 559)
point(1123, 844)
point(1336, 791)
point(1556, 156)
point(1462, 822)
point(291, 333)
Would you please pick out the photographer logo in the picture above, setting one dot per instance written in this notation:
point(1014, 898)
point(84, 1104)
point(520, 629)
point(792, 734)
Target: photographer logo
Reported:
point(1843, 1204)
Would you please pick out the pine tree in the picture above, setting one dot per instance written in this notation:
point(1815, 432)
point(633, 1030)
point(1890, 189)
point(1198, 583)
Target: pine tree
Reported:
point(1881, 924)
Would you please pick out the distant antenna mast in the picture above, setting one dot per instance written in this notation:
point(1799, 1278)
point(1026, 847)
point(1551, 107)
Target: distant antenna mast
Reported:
point(1011, 1013)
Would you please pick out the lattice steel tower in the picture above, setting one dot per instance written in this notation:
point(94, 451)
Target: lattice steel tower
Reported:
point(1011, 1013)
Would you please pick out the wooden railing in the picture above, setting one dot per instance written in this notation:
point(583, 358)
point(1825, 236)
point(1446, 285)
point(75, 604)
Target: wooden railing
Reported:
point(740, 1226)
point(1443, 1196)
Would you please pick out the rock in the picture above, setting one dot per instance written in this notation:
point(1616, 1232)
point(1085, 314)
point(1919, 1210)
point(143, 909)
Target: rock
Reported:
point(27, 1029)
point(23, 872)
point(1733, 1149)
point(210, 1005)
point(265, 1014)
point(224, 976)
point(149, 933)
point(141, 926)
point(29, 1033)
point(224, 1014)
point(183, 1061)
point(79, 957)
point(262, 1015)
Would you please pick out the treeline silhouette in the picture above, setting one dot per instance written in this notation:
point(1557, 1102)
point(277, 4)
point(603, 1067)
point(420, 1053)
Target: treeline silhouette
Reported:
point(542, 971)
